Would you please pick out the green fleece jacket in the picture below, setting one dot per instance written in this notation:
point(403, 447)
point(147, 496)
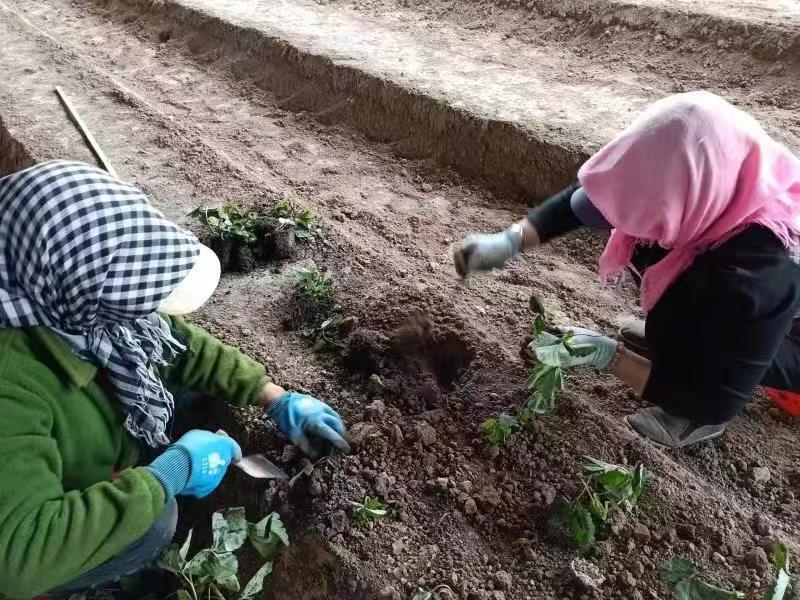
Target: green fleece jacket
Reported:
point(62, 440)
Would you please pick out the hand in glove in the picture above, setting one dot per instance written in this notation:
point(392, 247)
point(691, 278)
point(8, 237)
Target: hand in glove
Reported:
point(310, 424)
point(195, 464)
point(588, 348)
point(482, 252)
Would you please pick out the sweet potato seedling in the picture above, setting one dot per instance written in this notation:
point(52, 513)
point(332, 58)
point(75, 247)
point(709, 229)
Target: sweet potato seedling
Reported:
point(690, 583)
point(499, 430)
point(606, 488)
point(314, 287)
point(368, 511)
point(302, 222)
point(327, 336)
point(213, 573)
point(228, 222)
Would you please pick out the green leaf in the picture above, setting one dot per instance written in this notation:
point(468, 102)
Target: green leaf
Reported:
point(229, 529)
point(581, 526)
point(256, 584)
point(497, 431)
point(598, 507)
point(424, 595)
point(268, 535)
point(685, 577)
point(225, 571)
point(184, 551)
point(780, 561)
point(184, 595)
point(695, 589)
point(543, 384)
point(677, 569)
point(171, 560)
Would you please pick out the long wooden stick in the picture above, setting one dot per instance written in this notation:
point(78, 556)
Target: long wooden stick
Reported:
point(87, 135)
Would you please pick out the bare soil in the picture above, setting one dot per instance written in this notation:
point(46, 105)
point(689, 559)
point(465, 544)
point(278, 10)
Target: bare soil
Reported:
point(184, 122)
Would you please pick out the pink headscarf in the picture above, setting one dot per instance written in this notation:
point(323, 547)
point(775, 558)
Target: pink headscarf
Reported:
point(688, 174)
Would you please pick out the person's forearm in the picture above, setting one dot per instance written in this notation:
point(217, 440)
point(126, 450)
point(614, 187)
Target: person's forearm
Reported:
point(269, 394)
point(632, 369)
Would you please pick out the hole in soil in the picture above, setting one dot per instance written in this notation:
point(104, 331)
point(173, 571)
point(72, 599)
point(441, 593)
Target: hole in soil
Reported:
point(448, 357)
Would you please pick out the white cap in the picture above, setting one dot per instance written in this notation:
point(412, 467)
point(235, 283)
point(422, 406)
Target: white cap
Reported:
point(196, 288)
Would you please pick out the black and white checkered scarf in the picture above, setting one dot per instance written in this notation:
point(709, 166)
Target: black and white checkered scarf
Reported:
point(84, 253)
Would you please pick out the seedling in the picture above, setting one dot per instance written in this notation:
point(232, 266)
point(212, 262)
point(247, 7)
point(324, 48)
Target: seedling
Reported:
point(547, 377)
point(368, 511)
point(327, 337)
point(229, 222)
point(686, 578)
point(499, 430)
point(314, 287)
point(691, 583)
point(606, 488)
point(435, 593)
point(289, 216)
point(214, 572)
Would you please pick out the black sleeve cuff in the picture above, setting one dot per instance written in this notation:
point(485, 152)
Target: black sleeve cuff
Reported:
point(554, 216)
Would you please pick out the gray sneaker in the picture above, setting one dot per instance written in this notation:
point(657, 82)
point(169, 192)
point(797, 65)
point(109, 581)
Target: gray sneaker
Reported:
point(632, 335)
point(664, 429)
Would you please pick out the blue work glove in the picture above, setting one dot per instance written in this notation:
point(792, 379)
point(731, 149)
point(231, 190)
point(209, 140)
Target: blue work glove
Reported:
point(591, 348)
point(310, 424)
point(195, 464)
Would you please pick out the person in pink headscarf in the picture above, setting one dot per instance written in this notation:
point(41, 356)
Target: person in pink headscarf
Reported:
point(704, 209)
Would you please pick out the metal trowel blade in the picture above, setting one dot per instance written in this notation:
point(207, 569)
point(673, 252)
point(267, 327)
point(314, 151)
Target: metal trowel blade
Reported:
point(259, 466)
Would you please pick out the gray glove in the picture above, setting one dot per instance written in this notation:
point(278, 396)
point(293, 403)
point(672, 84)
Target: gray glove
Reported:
point(483, 252)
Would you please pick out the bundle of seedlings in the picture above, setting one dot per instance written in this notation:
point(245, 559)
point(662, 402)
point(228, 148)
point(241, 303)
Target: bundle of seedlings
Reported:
point(240, 237)
point(310, 300)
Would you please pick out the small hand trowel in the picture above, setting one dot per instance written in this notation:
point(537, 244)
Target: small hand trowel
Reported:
point(258, 465)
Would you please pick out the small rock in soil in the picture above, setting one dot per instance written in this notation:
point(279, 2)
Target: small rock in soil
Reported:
point(389, 593)
point(427, 434)
point(641, 533)
point(383, 484)
point(397, 547)
point(503, 580)
point(374, 385)
point(757, 559)
point(427, 187)
point(396, 435)
point(586, 574)
point(549, 494)
point(470, 507)
point(760, 475)
point(761, 524)
point(339, 522)
point(375, 410)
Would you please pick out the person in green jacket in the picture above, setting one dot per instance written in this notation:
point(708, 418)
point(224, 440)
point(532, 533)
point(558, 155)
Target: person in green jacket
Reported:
point(89, 362)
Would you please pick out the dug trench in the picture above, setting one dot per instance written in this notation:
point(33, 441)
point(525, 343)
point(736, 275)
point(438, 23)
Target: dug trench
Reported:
point(191, 134)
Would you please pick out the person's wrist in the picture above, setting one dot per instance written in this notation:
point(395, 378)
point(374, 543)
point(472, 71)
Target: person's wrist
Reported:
point(514, 236)
point(608, 353)
point(530, 237)
point(172, 469)
point(278, 405)
point(269, 394)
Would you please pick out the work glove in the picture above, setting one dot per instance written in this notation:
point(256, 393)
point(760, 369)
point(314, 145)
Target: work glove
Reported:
point(195, 464)
point(311, 425)
point(482, 252)
point(588, 348)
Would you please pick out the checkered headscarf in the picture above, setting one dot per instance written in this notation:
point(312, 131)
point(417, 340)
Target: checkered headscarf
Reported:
point(84, 253)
